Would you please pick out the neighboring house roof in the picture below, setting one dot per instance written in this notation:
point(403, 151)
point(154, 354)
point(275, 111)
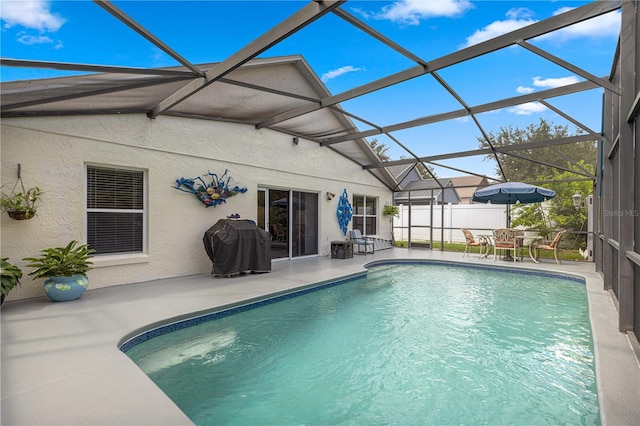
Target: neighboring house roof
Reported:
point(259, 88)
point(467, 185)
point(404, 174)
point(428, 189)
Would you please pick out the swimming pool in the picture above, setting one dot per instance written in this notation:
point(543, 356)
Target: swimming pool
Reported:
point(408, 344)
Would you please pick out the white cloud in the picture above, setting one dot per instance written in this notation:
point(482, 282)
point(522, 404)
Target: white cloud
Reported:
point(411, 12)
point(527, 109)
point(363, 13)
point(29, 40)
point(547, 83)
point(607, 25)
point(519, 13)
point(32, 14)
point(496, 29)
point(552, 83)
point(525, 90)
point(338, 72)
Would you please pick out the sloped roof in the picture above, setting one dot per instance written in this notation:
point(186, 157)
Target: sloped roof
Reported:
point(428, 189)
point(428, 184)
point(403, 174)
point(467, 185)
point(258, 88)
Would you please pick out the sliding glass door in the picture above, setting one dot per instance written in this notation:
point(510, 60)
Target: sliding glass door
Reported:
point(304, 222)
point(291, 217)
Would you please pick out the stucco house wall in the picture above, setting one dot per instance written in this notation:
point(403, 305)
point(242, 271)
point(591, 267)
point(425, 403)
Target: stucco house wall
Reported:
point(54, 151)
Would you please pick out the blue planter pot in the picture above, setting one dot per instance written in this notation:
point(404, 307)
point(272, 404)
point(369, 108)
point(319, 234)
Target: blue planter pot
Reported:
point(63, 289)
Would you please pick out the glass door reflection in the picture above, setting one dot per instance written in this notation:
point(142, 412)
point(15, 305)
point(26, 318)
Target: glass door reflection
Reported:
point(279, 223)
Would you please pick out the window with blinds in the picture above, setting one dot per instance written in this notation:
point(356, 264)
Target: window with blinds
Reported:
point(115, 210)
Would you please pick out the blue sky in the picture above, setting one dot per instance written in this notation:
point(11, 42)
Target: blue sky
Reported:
point(343, 56)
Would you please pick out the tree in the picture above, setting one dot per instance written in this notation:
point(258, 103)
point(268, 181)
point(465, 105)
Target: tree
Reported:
point(580, 156)
point(561, 212)
point(532, 216)
point(430, 174)
point(423, 171)
point(517, 169)
point(380, 149)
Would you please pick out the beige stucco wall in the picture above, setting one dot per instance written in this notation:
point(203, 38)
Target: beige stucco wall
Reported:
point(54, 151)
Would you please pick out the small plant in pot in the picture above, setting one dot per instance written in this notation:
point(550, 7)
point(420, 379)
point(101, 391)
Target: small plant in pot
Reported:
point(391, 211)
point(21, 205)
point(65, 269)
point(10, 276)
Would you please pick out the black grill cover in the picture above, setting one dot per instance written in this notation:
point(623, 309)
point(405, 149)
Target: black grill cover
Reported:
point(236, 246)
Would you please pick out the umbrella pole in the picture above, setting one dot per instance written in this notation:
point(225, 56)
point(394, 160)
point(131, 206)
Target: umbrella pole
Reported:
point(507, 255)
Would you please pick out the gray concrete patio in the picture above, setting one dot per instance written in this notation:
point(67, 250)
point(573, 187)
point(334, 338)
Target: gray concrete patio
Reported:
point(61, 364)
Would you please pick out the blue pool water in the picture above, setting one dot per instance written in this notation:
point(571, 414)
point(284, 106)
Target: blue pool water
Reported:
point(407, 345)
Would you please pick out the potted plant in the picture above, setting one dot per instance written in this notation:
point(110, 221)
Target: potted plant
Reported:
point(65, 269)
point(10, 276)
point(21, 205)
point(391, 211)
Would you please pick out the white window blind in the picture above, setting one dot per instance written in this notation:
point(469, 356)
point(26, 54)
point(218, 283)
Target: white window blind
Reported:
point(115, 210)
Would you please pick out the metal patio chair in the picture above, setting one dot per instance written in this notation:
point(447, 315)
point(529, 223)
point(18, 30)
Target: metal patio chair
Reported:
point(471, 242)
point(552, 246)
point(506, 239)
point(362, 240)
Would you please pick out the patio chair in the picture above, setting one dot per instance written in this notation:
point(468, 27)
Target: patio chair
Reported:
point(506, 239)
point(553, 245)
point(361, 240)
point(471, 242)
point(280, 232)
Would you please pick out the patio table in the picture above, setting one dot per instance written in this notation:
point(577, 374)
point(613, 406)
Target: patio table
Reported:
point(531, 247)
point(488, 239)
point(533, 254)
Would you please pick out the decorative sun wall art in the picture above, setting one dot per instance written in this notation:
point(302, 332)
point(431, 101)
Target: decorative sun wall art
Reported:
point(344, 212)
point(213, 193)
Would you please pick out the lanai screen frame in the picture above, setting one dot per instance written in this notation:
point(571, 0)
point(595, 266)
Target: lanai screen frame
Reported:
point(197, 79)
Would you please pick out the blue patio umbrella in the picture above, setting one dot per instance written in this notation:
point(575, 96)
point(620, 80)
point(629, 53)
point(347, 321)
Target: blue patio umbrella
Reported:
point(512, 193)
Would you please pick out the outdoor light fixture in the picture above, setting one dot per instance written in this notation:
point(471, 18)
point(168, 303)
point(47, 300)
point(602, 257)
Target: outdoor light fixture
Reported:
point(330, 196)
point(577, 201)
point(295, 140)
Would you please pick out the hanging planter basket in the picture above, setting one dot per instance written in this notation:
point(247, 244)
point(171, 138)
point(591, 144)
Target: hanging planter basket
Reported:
point(21, 214)
point(20, 205)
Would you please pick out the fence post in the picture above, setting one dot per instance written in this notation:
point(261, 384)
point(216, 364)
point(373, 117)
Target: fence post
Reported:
point(450, 222)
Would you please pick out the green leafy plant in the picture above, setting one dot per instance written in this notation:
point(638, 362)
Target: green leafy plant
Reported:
point(62, 261)
point(10, 276)
point(21, 205)
point(390, 210)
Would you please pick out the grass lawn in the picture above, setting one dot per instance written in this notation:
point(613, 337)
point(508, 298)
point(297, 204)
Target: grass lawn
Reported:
point(459, 247)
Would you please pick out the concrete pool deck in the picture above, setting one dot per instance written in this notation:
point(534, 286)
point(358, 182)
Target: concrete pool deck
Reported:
point(61, 364)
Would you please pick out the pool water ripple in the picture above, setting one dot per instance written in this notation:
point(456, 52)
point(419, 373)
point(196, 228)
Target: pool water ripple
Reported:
point(409, 344)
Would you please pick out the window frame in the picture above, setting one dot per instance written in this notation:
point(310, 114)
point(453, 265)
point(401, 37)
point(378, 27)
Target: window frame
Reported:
point(364, 215)
point(108, 259)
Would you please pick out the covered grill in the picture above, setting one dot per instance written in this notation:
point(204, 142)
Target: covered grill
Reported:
point(236, 246)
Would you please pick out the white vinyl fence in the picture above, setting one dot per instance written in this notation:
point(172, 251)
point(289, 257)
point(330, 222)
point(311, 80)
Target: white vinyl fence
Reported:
point(478, 218)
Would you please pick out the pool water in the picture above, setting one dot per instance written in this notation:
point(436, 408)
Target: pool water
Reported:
point(407, 345)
